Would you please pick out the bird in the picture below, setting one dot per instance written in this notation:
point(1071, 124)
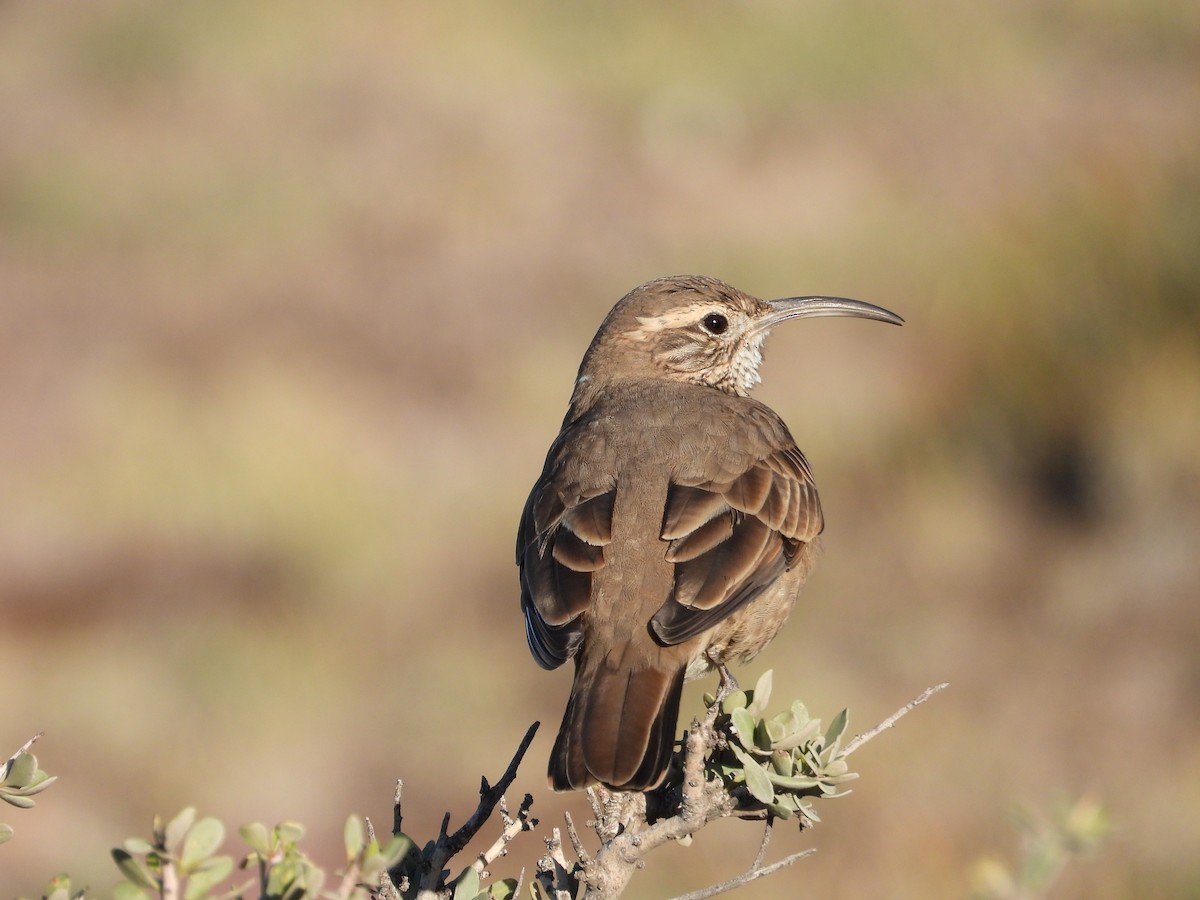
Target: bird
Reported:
point(673, 523)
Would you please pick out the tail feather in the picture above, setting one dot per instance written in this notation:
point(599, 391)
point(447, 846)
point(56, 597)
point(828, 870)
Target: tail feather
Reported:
point(619, 728)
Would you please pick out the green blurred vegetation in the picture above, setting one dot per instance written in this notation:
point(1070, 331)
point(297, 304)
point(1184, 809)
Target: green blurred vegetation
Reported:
point(292, 300)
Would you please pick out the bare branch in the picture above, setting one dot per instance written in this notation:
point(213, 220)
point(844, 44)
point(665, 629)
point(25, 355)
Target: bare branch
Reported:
point(29, 743)
point(397, 816)
point(762, 848)
point(490, 796)
point(512, 827)
point(349, 882)
point(746, 877)
point(892, 719)
point(555, 877)
point(576, 844)
point(447, 846)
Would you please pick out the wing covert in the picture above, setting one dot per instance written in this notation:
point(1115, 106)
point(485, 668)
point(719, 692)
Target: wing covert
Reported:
point(730, 539)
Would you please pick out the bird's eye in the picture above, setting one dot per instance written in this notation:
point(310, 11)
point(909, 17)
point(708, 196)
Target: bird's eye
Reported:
point(715, 323)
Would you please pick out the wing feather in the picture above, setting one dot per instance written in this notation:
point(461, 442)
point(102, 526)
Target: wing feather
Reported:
point(730, 538)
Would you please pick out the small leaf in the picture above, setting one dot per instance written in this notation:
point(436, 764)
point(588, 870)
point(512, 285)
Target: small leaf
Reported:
point(290, 832)
point(467, 884)
point(19, 770)
point(836, 727)
point(762, 692)
point(743, 724)
point(256, 837)
point(839, 779)
point(127, 890)
point(506, 889)
point(792, 782)
point(201, 842)
point(177, 829)
point(783, 763)
point(774, 732)
point(757, 782)
point(762, 736)
point(802, 735)
point(781, 810)
point(396, 849)
point(736, 700)
point(800, 711)
point(828, 792)
point(134, 870)
point(39, 782)
point(352, 836)
point(138, 845)
point(208, 875)
point(17, 800)
point(59, 888)
point(6, 832)
point(835, 767)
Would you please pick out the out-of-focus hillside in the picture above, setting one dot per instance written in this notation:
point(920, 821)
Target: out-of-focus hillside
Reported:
point(290, 304)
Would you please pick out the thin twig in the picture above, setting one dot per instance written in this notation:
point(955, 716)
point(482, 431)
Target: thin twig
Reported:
point(8, 764)
point(349, 882)
point(29, 743)
point(554, 876)
point(576, 844)
point(446, 845)
point(489, 796)
point(762, 848)
point(397, 816)
point(745, 878)
point(892, 719)
point(170, 879)
point(594, 800)
point(512, 827)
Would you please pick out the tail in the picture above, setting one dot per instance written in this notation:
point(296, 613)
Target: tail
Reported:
point(619, 727)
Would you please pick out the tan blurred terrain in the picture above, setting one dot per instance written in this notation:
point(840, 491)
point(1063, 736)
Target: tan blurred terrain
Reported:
point(291, 299)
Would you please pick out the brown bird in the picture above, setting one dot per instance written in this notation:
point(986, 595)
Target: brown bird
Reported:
point(673, 523)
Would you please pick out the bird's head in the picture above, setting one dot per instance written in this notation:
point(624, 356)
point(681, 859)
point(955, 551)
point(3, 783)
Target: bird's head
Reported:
point(698, 330)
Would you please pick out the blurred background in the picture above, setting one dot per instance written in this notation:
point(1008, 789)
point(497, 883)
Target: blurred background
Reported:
point(291, 302)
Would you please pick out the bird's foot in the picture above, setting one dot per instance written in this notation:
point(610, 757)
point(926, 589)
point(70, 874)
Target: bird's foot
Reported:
point(728, 683)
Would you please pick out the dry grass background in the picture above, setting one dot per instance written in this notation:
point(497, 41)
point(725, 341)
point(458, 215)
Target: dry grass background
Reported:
point(291, 299)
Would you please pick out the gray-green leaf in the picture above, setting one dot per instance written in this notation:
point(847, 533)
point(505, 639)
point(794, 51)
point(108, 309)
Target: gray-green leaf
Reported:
point(20, 769)
point(208, 875)
point(134, 870)
point(178, 828)
point(836, 727)
point(201, 842)
point(743, 724)
point(127, 890)
point(467, 885)
point(762, 692)
point(352, 836)
point(758, 782)
point(256, 837)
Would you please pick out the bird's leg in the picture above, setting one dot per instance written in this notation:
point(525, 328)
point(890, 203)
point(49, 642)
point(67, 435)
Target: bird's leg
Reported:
point(728, 683)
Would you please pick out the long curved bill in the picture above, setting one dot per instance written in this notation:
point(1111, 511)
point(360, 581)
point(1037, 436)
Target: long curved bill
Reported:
point(808, 307)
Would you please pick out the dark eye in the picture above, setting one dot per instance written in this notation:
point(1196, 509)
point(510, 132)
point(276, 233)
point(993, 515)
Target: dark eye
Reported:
point(716, 323)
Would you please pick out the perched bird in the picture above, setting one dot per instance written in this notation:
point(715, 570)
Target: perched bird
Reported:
point(673, 523)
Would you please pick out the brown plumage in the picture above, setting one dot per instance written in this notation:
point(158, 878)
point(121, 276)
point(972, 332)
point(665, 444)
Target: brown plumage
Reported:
point(673, 523)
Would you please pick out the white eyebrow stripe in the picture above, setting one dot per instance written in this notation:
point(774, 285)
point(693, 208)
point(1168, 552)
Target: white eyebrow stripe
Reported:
point(686, 315)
